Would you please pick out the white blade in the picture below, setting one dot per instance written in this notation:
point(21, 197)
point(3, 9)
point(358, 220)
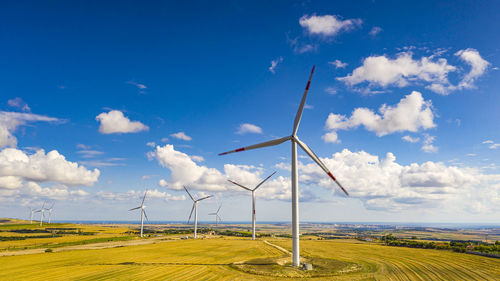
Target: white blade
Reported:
point(212, 214)
point(146, 216)
point(135, 208)
point(206, 197)
point(264, 181)
point(188, 193)
point(190, 214)
point(298, 116)
point(218, 209)
point(259, 145)
point(144, 198)
point(239, 185)
point(316, 159)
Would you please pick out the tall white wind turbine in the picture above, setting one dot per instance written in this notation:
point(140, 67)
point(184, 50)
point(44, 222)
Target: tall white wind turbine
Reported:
point(253, 200)
point(42, 213)
point(195, 209)
point(32, 211)
point(50, 211)
point(217, 217)
point(295, 192)
point(143, 212)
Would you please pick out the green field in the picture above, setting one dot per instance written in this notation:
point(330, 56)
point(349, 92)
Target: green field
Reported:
point(227, 258)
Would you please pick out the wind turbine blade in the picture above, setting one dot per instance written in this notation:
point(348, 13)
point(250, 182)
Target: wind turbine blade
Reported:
point(211, 214)
point(239, 185)
point(218, 209)
point(188, 193)
point(298, 116)
point(219, 218)
point(206, 197)
point(144, 198)
point(43, 206)
point(316, 159)
point(146, 216)
point(264, 181)
point(259, 145)
point(190, 214)
point(135, 208)
point(52, 206)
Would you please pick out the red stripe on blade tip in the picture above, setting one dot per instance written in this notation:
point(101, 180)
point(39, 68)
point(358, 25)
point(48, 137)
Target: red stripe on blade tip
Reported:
point(331, 176)
point(308, 84)
point(239, 149)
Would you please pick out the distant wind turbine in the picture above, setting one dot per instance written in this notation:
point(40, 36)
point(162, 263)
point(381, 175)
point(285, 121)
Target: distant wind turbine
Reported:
point(32, 211)
point(50, 211)
point(253, 200)
point(42, 213)
point(143, 212)
point(217, 217)
point(295, 185)
point(195, 209)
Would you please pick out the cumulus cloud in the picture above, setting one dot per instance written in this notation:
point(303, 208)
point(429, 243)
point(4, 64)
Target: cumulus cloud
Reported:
point(114, 122)
point(491, 144)
point(375, 30)
point(338, 64)
point(386, 185)
point(274, 64)
point(247, 128)
point(181, 136)
point(19, 104)
point(408, 138)
point(412, 114)
point(331, 137)
point(43, 167)
point(10, 121)
point(428, 145)
point(185, 171)
point(328, 25)
point(403, 70)
point(477, 63)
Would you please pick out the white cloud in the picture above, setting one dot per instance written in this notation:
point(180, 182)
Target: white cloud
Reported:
point(197, 158)
point(10, 121)
point(375, 30)
point(491, 144)
point(141, 87)
point(331, 137)
point(477, 63)
point(162, 183)
point(134, 194)
point(331, 90)
point(246, 128)
point(385, 184)
point(151, 144)
point(338, 64)
point(410, 139)
point(327, 25)
point(383, 71)
point(115, 122)
point(402, 71)
point(181, 136)
point(412, 114)
point(41, 167)
point(428, 146)
point(274, 64)
point(19, 104)
point(89, 153)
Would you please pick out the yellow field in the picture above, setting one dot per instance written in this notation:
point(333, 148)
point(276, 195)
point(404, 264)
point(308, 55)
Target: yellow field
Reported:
point(210, 259)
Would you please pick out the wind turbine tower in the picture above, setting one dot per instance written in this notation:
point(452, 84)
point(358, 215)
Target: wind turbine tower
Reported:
point(195, 209)
point(143, 212)
point(294, 171)
point(253, 200)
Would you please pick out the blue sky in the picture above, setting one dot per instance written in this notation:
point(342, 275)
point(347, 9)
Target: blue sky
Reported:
point(109, 86)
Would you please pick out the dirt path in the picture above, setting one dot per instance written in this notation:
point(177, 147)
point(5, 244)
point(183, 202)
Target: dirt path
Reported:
point(93, 246)
point(278, 247)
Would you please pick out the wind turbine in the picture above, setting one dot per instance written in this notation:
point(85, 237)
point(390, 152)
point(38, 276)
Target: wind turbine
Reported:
point(143, 212)
point(50, 211)
point(253, 200)
point(195, 208)
point(295, 191)
point(32, 211)
point(217, 217)
point(42, 213)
